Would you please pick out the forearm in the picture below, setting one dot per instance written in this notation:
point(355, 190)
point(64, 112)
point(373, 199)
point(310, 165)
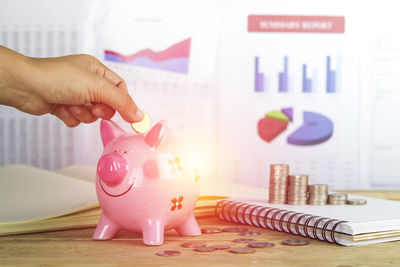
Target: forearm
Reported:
point(14, 74)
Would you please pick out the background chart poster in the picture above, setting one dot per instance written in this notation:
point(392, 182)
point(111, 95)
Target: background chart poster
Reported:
point(242, 84)
point(297, 62)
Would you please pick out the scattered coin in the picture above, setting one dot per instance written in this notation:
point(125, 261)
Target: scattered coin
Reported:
point(261, 245)
point(142, 126)
point(243, 240)
point(295, 242)
point(242, 250)
point(211, 230)
point(193, 244)
point(220, 247)
point(356, 201)
point(249, 233)
point(204, 249)
point(168, 253)
point(235, 229)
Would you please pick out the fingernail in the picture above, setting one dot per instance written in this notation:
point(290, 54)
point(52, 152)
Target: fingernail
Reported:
point(139, 115)
point(75, 110)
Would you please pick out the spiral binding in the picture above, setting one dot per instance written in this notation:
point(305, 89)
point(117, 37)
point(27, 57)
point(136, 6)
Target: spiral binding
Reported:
point(236, 211)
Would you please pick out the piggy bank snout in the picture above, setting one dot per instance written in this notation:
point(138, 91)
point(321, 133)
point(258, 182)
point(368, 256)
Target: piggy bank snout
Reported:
point(112, 168)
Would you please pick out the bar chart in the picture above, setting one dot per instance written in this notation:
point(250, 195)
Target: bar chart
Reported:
point(304, 82)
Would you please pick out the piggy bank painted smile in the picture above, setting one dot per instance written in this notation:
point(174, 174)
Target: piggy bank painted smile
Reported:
point(141, 189)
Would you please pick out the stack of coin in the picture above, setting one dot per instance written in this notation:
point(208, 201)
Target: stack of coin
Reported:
point(317, 194)
point(357, 201)
point(337, 199)
point(297, 192)
point(278, 183)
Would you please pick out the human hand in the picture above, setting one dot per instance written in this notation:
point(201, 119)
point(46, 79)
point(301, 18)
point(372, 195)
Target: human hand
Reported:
point(76, 88)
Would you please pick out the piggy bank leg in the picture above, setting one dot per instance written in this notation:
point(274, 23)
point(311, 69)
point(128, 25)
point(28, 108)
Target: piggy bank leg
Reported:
point(106, 229)
point(153, 233)
point(189, 227)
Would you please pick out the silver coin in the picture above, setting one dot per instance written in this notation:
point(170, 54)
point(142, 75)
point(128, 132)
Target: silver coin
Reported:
point(220, 246)
point(356, 201)
point(249, 233)
point(193, 244)
point(168, 253)
point(337, 202)
point(261, 245)
point(295, 242)
point(204, 249)
point(242, 250)
point(337, 196)
point(243, 240)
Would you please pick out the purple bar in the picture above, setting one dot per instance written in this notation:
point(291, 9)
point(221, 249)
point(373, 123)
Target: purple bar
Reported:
point(309, 88)
point(261, 82)
point(330, 77)
point(306, 82)
point(283, 76)
point(258, 77)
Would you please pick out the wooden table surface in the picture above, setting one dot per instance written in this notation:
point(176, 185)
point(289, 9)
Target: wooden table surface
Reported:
point(75, 248)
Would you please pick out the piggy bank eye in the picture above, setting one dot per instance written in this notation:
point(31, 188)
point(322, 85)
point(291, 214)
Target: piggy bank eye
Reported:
point(112, 168)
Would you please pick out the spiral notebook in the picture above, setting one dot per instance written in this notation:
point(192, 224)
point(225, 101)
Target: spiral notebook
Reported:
point(348, 225)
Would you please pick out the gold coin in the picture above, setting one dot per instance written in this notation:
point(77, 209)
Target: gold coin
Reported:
point(211, 230)
point(142, 126)
point(235, 229)
point(261, 245)
point(242, 250)
point(220, 246)
point(204, 249)
point(295, 242)
point(249, 233)
point(243, 240)
point(168, 253)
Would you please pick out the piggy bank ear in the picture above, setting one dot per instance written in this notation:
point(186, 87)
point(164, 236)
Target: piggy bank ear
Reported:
point(109, 131)
point(156, 134)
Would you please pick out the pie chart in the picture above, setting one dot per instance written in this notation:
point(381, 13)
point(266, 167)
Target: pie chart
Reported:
point(316, 128)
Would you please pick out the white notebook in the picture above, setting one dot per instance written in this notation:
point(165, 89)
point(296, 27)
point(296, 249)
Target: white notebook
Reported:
point(377, 221)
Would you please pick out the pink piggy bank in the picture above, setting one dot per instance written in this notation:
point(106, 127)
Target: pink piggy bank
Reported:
point(140, 189)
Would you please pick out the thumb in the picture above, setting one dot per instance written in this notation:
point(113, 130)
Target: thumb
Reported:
point(118, 99)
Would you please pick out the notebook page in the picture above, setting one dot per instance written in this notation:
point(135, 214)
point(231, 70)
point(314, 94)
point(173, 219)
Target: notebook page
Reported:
point(28, 193)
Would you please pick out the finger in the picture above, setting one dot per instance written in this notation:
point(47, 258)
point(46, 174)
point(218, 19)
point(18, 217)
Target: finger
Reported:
point(103, 111)
point(63, 114)
point(118, 99)
point(110, 76)
point(82, 113)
